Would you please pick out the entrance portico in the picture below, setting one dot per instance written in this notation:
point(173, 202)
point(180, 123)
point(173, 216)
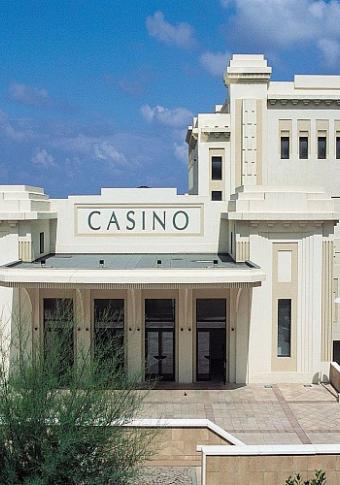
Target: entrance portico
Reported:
point(183, 324)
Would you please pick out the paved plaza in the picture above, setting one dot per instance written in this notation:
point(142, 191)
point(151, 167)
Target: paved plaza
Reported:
point(281, 414)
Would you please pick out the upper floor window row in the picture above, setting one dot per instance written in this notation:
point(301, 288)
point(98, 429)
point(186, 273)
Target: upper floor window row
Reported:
point(304, 147)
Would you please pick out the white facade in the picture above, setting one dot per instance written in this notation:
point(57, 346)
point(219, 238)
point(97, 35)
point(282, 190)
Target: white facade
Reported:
point(264, 188)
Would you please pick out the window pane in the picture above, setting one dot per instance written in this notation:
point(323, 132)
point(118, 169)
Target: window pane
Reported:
point(59, 337)
point(211, 313)
point(338, 147)
point(109, 313)
point(160, 313)
point(284, 328)
point(109, 330)
point(42, 242)
point(216, 168)
point(285, 147)
point(322, 147)
point(303, 147)
point(216, 195)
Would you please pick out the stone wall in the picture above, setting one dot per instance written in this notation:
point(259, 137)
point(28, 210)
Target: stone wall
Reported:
point(177, 446)
point(268, 470)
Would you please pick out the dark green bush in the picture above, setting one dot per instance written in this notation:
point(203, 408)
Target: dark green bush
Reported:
point(62, 416)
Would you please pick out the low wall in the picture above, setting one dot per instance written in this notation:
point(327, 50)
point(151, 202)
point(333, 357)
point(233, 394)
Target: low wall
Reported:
point(176, 440)
point(268, 465)
point(334, 376)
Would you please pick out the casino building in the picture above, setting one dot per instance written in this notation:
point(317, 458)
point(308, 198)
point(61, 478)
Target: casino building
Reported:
point(234, 281)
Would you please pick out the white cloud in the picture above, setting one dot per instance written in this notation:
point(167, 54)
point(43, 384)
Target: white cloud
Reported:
point(330, 50)
point(43, 158)
point(215, 62)
point(181, 34)
point(175, 118)
point(22, 93)
point(181, 151)
point(106, 151)
point(288, 23)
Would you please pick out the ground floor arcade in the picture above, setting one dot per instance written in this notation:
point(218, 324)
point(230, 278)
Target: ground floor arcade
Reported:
point(176, 334)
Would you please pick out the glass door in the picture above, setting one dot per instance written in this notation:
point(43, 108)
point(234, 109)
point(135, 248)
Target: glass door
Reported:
point(160, 339)
point(211, 339)
point(59, 337)
point(109, 330)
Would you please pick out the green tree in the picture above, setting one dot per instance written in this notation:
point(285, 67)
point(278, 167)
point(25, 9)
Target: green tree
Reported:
point(64, 417)
point(319, 479)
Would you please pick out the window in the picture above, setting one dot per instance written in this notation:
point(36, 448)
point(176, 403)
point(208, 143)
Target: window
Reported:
point(109, 331)
point(337, 147)
point(322, 147)
point(285, 147)
point(336, 351)
point(216, 168)
point(216, 195)
point(160, 345)
point(42, 243)
point(59, 337)
point(284, 317)
point(303, 147)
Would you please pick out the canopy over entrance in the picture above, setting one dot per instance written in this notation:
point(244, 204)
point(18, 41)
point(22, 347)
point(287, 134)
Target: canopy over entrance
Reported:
point(136, 270)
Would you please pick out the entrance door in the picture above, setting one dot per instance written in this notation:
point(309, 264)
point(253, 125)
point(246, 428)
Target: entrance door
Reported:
point(211, 339)
point(59, 337)
point(160, 339)
point(109, 331)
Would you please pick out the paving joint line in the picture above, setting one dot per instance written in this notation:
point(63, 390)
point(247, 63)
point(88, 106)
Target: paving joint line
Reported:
point(299, 431)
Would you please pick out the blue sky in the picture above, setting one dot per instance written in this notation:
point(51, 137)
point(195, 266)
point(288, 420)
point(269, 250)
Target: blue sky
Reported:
point(99, 93)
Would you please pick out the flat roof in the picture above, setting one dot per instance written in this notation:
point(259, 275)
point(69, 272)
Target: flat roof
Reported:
point(128, 261)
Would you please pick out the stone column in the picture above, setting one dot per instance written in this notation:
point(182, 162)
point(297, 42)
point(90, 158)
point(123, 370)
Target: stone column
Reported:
point(135, 333)
point(185, 333)
point(231, 333)
point(34, 317)
point(82, 318)
point(242, 335)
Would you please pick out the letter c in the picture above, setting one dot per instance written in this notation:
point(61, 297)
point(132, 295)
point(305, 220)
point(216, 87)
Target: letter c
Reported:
point(89, 221)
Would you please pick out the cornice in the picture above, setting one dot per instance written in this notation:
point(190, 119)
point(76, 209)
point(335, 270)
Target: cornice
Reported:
point(303, 101)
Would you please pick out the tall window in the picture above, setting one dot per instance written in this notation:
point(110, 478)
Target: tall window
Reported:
point(42, 242)
point(216, 168)
point(160, 317)
point(322, 147)
point(284, 327)
point(337, 147)
point(109, 331)
point(303, 147)
point(59, 337)
point(285, 147)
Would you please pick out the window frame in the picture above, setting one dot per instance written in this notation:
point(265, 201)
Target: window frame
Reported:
point(219, 170)
point(337, 147)
point(42, 242)
point(303, 155)
point(213, 193)
point(322, 137)
point(279, 353)
point(282, 150)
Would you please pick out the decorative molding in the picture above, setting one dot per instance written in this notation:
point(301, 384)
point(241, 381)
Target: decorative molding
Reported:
point(25, 251)
point(120, 286)
point(327, 300)
point(242, 250)
point(303, 101)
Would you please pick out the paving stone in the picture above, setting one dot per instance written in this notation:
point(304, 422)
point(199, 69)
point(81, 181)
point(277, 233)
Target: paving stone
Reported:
point(285, 413)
